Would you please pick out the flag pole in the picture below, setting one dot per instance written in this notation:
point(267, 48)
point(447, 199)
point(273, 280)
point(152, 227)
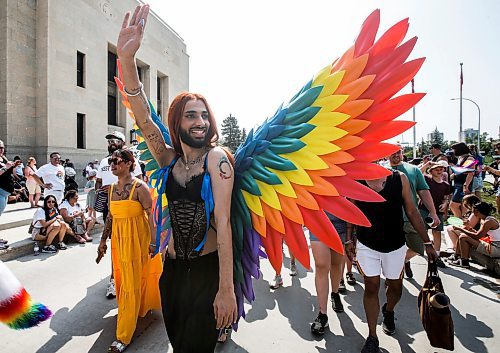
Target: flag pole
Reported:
point(460, 136)
point(414, 126)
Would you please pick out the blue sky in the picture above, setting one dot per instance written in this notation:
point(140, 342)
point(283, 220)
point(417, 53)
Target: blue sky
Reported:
point(248, 57)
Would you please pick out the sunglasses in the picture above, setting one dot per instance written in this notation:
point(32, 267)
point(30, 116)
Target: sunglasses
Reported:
point(115, 160)
point(114, 141)
point(50, 201)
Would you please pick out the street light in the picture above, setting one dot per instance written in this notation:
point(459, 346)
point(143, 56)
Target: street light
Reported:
point(478, 122)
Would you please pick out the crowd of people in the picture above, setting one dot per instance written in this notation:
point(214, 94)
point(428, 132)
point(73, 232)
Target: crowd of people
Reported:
point(426, 198)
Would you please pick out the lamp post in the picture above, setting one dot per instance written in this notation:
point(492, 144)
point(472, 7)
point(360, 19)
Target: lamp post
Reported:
point(478, 122)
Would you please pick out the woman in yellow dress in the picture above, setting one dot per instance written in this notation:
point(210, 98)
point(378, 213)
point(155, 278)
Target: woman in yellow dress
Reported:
point(130, 224)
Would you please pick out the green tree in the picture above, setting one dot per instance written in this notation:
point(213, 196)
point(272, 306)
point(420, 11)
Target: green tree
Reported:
point(231, 134)
point(243, 135)
point(436, 137)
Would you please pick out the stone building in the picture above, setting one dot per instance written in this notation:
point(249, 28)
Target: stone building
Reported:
point(57, 62)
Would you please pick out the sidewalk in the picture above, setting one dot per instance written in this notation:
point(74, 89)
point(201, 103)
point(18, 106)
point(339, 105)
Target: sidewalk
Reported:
point(14, 225)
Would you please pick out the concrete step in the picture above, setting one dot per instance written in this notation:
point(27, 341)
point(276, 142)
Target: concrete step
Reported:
point(492, 264)
point(21, 244)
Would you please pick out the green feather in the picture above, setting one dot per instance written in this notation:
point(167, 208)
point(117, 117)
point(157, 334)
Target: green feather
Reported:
point(271, 160)
point(281, 145)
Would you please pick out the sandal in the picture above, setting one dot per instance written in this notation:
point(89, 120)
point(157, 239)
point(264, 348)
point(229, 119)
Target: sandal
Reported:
point(224, 335)
point(117, 346)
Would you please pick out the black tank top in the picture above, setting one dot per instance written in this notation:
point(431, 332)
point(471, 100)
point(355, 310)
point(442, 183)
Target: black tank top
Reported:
point(386, 233)
point(187, 215)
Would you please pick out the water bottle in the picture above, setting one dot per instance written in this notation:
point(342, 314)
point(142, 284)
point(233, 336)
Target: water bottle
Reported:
point(36, 249)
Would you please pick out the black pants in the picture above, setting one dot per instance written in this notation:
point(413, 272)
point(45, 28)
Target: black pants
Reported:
point(188, 289)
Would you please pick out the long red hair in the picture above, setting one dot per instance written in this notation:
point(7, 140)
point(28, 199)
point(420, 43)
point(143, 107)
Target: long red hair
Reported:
point(175, 113)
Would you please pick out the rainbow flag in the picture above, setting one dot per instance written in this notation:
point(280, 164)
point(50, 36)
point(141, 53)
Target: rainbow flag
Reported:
point(465, 168)
point(16, 307)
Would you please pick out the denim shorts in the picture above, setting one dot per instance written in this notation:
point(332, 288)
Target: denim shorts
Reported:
point(458, 193)
point(312, 237)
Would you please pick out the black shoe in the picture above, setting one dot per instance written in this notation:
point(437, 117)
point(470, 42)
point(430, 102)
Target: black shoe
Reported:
point(408, 271)
point(61, 246)
point(388, 325)
point(49, 249)
point(440, 263)
point(336, 302)
point(342, 288)
point(319, 325)
point(371, 345)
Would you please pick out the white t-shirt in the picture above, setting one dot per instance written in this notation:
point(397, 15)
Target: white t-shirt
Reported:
point(40, 216)
point(104, 172)
point(52, 174)
point(71, 209)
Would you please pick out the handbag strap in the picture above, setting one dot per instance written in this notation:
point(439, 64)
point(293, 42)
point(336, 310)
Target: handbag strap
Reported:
point(432, 269)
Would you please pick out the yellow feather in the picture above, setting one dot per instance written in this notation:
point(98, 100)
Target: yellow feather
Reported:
point(330, 103)
point(319, 147)
point(298, 176)
point(322, 133)
point(321, 76)
point(253, 203)
point(305, 159)
point(329, 118)
point(269, 195)
point(331, 84)
point(285, 188)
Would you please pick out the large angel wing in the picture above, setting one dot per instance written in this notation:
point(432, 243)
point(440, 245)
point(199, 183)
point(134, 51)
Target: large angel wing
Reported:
point(306, 158)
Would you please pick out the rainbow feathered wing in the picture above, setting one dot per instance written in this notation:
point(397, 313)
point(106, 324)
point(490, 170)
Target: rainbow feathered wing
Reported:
point(17, 310)
point(306, 158)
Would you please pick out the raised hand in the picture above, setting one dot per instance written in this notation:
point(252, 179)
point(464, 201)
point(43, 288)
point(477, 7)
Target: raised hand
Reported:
point(130, 37)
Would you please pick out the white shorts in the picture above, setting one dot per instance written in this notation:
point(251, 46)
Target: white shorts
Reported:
point(371, 262)
point(58, 194)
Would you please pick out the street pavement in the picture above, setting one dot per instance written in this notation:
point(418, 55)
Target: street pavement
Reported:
point(73, 286)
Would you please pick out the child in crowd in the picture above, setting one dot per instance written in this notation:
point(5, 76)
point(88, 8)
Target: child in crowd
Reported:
point(91, 194)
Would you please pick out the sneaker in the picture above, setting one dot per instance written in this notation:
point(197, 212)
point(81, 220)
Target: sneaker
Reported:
point(342, 288)
point(350, 278)
point(61, 246)
point(460, 263)
point(49, 249)
point(388, 325)
point(111, 292)
point(4, 246)
point(452, 257)
point(336, 302)
point(440, 263)
point(319, 325)
point(278, 282)
point(371, 345)
point(408, 271)
point(293, 269)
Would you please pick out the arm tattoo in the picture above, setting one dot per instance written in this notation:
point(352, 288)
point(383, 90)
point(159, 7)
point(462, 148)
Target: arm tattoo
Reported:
point(106, 233)
point(225, 170)
point(156, 141)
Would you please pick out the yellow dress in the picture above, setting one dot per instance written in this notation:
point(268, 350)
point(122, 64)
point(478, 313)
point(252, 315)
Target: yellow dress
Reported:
point(136, 274)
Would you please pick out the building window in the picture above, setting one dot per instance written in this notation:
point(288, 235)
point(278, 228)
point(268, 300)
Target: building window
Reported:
point(80, 130)
point(112, 90)
point(80, 69)
point(158, 95)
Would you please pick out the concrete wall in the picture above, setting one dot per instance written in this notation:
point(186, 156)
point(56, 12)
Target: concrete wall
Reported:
point(39, 97)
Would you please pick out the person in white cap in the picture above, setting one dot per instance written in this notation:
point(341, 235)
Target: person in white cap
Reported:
point(116, 141)
point(440, 192)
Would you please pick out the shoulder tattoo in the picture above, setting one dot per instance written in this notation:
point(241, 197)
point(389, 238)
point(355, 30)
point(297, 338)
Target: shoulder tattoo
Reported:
point(225, 169)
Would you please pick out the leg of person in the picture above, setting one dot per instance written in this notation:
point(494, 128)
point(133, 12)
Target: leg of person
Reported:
point(293, 266)
point(336, 271)
point(452, 236)
point(465, 242)
point(415, 247)
point(51, 232)
point(4, 197)
point(341, 286)
point(38, 192)
point(321, 254)
point(392, 269)
point(349, 275)
point(62, 233)
point(278, 280)
point(369, 264)
point(31, 199)
point(188, 290)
